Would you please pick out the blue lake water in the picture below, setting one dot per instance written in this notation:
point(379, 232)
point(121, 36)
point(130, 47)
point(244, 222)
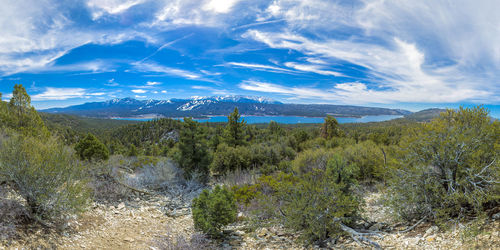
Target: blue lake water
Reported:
point(286, 119)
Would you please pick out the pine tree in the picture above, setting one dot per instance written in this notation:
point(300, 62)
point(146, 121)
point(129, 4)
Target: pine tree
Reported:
point(234, 132)
point(21, 116)
point(193, 155)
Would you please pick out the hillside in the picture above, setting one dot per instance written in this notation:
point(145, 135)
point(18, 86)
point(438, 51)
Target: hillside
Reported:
point(216, 105)
point(82, 124)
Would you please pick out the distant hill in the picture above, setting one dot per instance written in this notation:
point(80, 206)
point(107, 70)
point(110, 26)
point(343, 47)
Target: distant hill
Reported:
point(215, 105)
point(424, 115)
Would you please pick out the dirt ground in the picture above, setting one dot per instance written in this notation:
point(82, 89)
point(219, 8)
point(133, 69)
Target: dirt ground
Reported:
point(144, 225)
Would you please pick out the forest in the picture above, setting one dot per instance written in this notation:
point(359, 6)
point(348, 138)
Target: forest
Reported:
point(439, 167)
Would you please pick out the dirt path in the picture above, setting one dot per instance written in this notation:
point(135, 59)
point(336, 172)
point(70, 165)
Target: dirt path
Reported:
point(124, 228)
point(135, 225)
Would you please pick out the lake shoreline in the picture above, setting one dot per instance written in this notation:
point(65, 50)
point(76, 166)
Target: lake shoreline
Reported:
point(253, 119)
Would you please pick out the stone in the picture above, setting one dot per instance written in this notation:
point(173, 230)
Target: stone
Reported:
point(431, 230)
point(121, 206)
point(430, 238)
point(128, 239)
point(496, 216)
point(263, 232)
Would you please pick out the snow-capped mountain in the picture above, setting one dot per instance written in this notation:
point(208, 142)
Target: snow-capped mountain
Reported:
point(214, 105)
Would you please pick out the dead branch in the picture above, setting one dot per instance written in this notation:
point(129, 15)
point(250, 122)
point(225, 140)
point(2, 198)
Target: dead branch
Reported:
point(414, 226)
point(132, 188)
point(361, 238)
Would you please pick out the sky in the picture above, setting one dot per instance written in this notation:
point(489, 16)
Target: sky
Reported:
point(399, 54)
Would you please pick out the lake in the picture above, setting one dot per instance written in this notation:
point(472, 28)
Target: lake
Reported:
point(286, 119)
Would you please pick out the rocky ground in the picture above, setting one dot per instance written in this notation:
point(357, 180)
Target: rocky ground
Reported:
point(150, 223)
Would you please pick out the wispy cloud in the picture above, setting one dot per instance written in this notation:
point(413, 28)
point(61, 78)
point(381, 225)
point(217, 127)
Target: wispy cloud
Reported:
point(401, 68)
point(296, 92)
point(51, 94)
point(152, 67)
point(149, 83)
point(312, 68)
point(111, 83)
point(102, 7)
point(261, 67)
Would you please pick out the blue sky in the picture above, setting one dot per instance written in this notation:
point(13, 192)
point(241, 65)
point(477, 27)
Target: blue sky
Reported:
point(401, 54)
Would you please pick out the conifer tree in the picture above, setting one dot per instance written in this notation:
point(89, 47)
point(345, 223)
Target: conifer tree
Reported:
point(21, 116)
point(330, 128)
point(193, 156)
point(234, 132)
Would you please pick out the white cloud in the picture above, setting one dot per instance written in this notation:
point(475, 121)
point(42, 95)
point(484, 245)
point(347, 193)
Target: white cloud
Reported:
point(311, 14)
point(400, 66)
point(34, 34)
point(112, 83)
point(219, 6)
point(207, 13)
point(139, 91)
point(296, 92)
point(140, 96)
point(101, 7)
point(164, 91)
point(259, 67)
point(153, 83)
point(61, 94)
point(152, 67)
point(312, 68)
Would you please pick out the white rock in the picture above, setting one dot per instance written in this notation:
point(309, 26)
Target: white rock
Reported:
point(121, 206)
point(128, 239)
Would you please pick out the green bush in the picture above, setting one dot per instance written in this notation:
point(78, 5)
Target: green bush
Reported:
point(228, 158)
point(449, 168)
point(320, 199)
point(245, 193)
point(311, 159)
point(368, 157)
point(90, 148)
point(214, 210)
point(47, 175)
point(313, 199)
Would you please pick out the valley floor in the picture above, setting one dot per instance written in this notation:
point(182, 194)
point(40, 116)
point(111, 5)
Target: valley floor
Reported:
point(143, 224)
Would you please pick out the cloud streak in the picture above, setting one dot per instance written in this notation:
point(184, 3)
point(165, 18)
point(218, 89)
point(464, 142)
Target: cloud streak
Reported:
point(58, 94)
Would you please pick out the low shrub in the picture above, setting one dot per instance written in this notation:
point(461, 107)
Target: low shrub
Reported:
point(449, 168)
point(228, 159)
point(213, 210)
point(46, 175)
point(312, 200)
point(368, 157)
point(90, 148)
point(245, 193)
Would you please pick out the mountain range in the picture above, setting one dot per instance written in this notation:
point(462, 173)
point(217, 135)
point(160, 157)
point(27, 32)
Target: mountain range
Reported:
point(215, 105)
